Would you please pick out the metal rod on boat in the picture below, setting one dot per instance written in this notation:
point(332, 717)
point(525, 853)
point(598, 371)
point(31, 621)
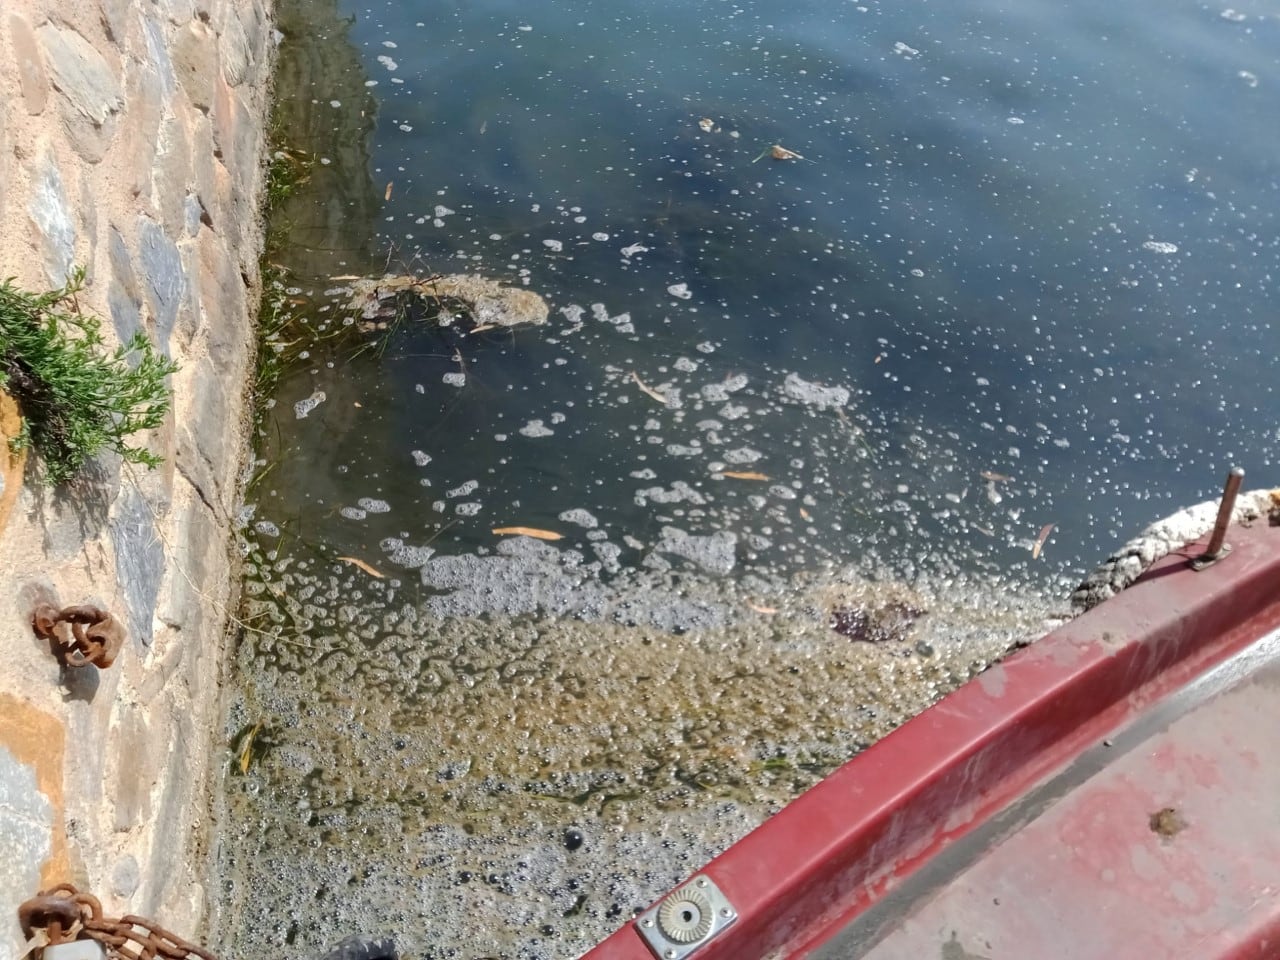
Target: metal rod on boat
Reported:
point(1217, 543)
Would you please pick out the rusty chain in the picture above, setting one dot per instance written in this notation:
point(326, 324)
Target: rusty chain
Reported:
point(65, 914)
point(82, 634)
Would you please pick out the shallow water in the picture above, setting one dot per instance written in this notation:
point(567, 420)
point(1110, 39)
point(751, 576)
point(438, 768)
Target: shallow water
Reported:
point(1023, 275)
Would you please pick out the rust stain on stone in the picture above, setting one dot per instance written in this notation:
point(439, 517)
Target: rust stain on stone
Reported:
point(11, 464)
point(37, 739)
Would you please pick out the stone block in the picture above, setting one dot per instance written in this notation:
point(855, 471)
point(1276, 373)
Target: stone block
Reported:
point(204, 167)
point(199, 537)
point(33, 847)
point(88, 208)
point(177, 11)
point(228, 310)
point(223, 114)
point(171, 177)
point(125, 876)
point(132, 768)
point(237, 55)
point(163, 278)
point(32, 79)
point(115, 17)
point(170, 823)
point(145, 92)
point(158, 58)
point(55, 232)
point(5, 157)
point(193, 214)
point(92, 97)
point(195, 61)
point(204, 443)
point(140, 560)
point(124, 299)
point(26, 837)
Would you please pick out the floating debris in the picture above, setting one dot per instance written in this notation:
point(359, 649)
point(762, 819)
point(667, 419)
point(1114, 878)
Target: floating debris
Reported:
point(778, 152)
point(706, 124)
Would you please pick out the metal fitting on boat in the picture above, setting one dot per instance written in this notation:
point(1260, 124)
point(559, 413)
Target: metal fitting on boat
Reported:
point(1218, 546)
point(686, 919)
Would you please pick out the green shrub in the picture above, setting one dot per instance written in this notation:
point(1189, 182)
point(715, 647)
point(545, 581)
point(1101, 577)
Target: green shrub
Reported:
point(76, 397)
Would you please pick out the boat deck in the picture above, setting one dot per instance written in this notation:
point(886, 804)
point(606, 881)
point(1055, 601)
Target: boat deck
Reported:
point(1162, 841)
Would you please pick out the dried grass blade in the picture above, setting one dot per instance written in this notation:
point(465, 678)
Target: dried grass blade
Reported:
point(356, 561)
point(535, 532)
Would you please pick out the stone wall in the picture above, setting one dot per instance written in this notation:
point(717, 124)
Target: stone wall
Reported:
point(131, 134)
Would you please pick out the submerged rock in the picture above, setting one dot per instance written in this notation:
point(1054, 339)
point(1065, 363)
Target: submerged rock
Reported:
point(489, 303)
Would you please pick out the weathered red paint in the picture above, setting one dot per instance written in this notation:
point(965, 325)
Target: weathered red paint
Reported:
point(827, 857)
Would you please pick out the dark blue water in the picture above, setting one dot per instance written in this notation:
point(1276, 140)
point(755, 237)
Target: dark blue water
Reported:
point(1023, 273)
point(1034, 241)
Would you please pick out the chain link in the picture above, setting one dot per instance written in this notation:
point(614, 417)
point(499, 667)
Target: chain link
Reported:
point(66, 914)
point(95, 637)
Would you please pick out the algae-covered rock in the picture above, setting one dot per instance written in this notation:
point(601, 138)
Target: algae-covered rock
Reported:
point(487, 302)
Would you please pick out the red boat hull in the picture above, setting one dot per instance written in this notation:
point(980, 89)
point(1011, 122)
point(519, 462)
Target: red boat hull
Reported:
point(844, 870)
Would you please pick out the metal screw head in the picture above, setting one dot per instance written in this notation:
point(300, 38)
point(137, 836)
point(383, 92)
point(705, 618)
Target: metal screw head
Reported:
point(702, 881)
point(726, 912)
point(646, 922)
point(669, 954)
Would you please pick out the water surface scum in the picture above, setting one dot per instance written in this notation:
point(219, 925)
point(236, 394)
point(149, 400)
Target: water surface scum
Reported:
point(515, 760)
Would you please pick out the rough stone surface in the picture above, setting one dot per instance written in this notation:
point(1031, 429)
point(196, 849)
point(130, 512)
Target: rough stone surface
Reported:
point(91, 94)
point(52, 220)
point(165, 278)
point(31, 73)
point(5, 157)
point(238, 55)
point(125, 877)
point(115, 157)
point(115, 14)
point(195, 60)
point(139, 560)
point(123, 297)
point(81, 74)
point(26, 821)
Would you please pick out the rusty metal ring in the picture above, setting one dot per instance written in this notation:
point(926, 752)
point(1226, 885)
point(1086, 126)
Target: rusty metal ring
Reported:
point(43, 911)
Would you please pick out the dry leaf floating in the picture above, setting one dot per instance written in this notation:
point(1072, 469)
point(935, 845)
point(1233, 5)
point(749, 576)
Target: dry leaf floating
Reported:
point(649, 390)
point(246, 753)
point(744, 475)
point(706, 124)
point(535, 532)
point(387, 195)
point(1039, 544)
point(779, 152)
